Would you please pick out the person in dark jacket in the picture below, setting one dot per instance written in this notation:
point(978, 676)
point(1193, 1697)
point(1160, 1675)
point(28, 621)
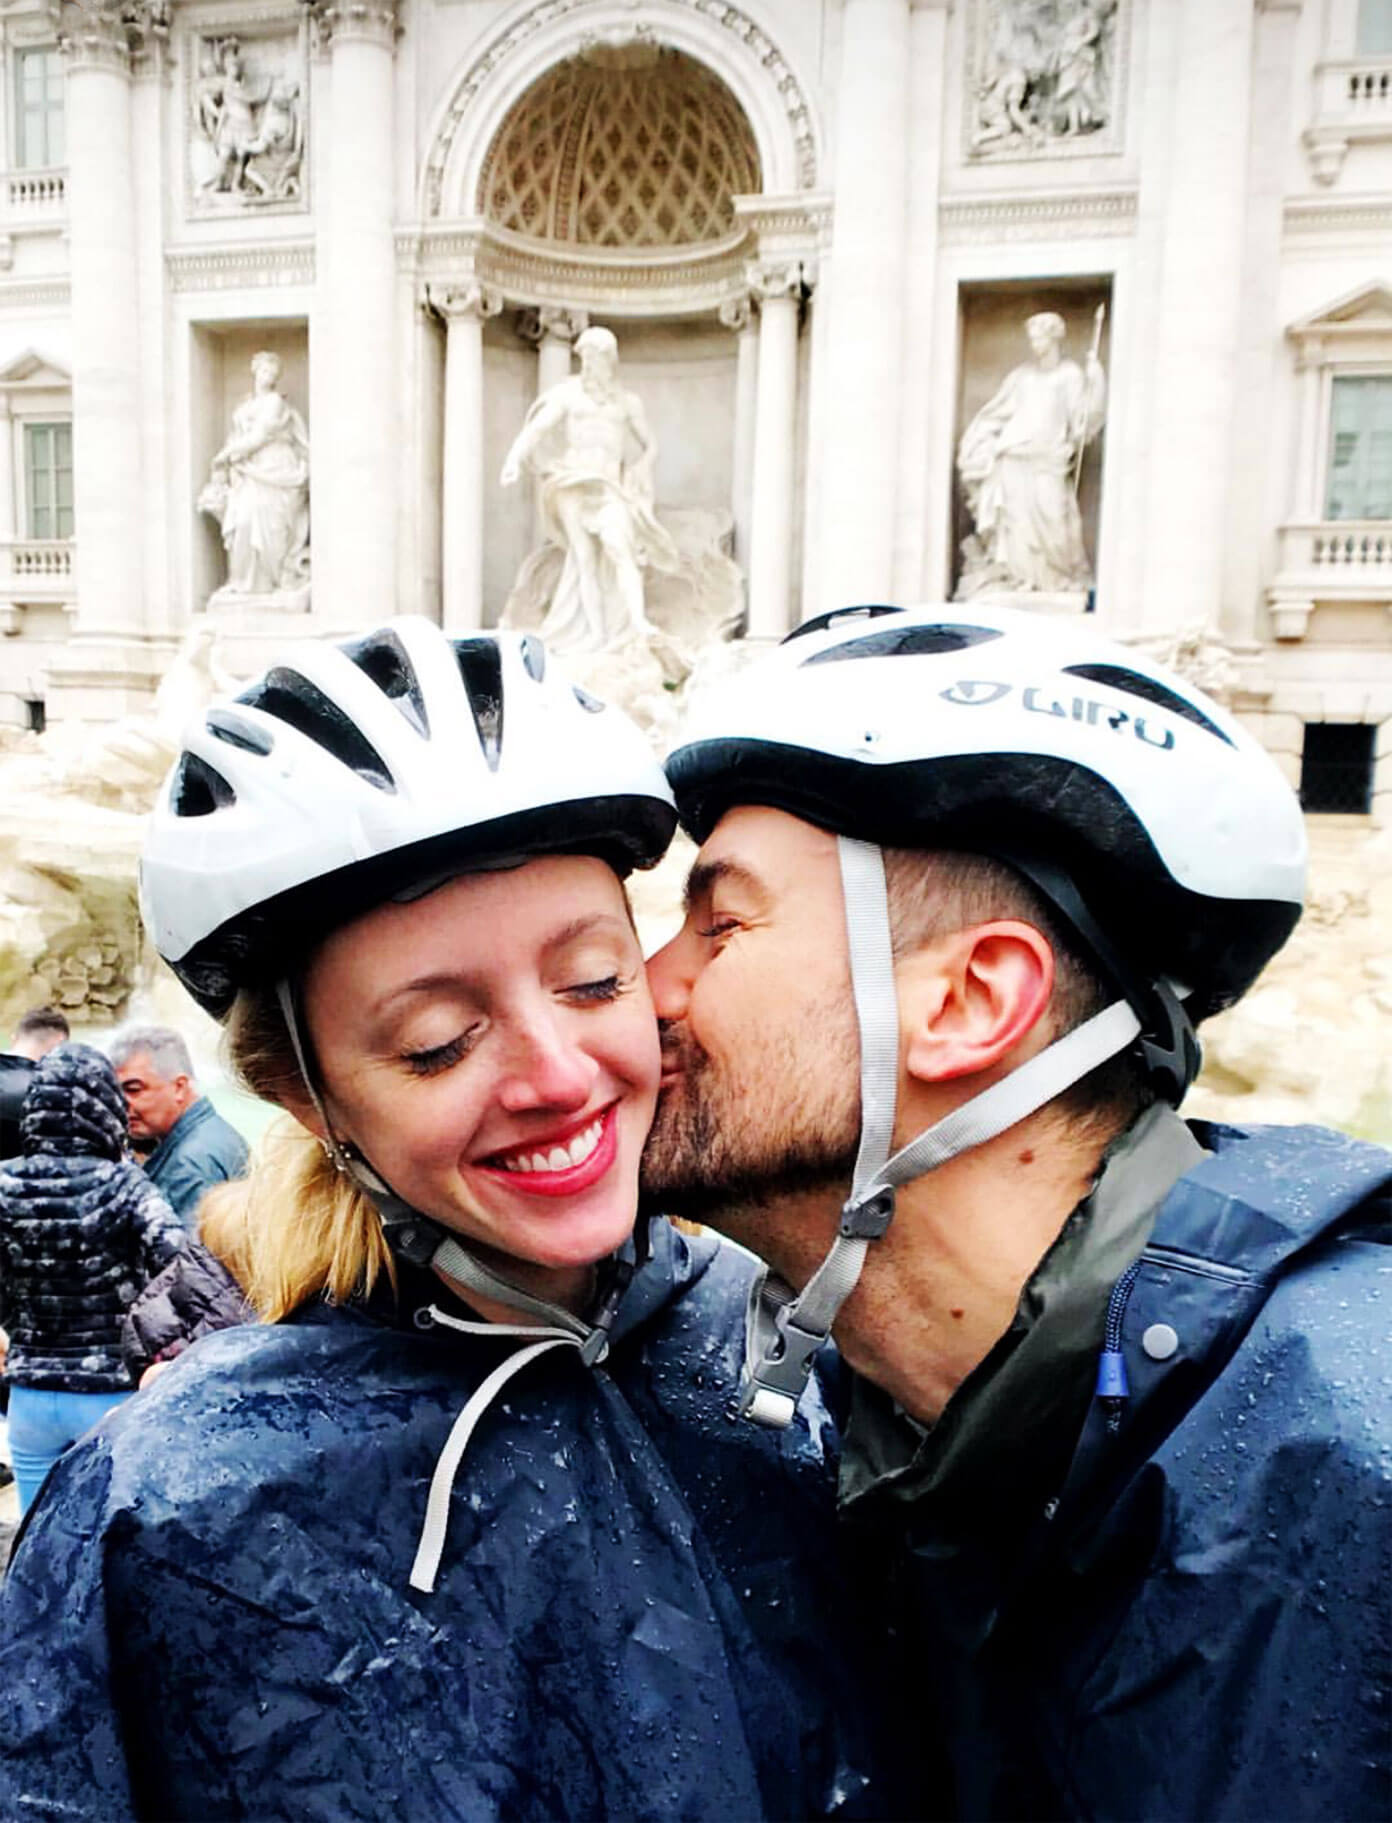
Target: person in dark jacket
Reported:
point(186, 1143)
point(197, 1293)
point(81, 1227)
point(463, 1530)
point(1119, 1418)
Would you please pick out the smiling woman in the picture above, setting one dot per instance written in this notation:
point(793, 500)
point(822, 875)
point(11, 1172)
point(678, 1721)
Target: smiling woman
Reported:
point(463, 1530)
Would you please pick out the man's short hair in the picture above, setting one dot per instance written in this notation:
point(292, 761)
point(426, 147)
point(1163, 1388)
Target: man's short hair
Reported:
point(164, 1047)
point(933, 894)
point(43, 1019)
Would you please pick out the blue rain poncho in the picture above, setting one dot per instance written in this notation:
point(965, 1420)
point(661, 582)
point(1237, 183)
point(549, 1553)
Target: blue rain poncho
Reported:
point(640, 1610)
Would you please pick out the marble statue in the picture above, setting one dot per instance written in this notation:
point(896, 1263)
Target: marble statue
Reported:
point(1019, 462)
point(249, 133)
point(1046, 74)
point(587, 443)
point(259, 492)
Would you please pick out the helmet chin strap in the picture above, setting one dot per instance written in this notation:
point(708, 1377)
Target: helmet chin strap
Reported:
point(785, 1329)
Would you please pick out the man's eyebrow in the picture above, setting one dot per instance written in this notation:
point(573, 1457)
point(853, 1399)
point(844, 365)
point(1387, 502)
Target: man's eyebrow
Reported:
point(706, 875)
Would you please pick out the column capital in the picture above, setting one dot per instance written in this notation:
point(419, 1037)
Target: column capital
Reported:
point(772, 279)
point(368, 21)
point(737, 313)
point(110, 34)
point(464, 298)
point(551, 323)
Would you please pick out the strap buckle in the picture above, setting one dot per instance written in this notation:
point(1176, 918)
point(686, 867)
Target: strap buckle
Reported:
point(867, 1218)
point(772, 1389)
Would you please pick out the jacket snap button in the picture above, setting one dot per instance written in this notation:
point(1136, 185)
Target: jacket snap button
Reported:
point(1160, 1341)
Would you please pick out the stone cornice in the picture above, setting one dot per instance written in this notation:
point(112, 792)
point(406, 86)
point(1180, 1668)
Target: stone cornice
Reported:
point(602, 281)
point(1305, 217)
point(1044, 215)
point(232, 268)
point(36, 294)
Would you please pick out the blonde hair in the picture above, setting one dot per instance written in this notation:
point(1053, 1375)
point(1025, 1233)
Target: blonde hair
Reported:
point(307, 1231)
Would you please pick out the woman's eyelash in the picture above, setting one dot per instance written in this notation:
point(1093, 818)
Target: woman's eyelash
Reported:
point(607, 989)
point(439, 1057)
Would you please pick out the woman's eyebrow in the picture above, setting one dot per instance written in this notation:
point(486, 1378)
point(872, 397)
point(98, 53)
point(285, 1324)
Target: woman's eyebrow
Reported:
point(581, 927)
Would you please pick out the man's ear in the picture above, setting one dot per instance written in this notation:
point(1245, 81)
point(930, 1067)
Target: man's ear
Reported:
point(968, 1001)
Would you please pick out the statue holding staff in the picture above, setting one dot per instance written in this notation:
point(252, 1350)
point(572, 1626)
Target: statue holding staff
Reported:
point(1020, 460)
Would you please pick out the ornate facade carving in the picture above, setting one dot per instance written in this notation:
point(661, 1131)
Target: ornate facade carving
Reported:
point(223, 268)
point(110, 33)
point(633, 146)
point(750, 36)
point(464, 299)
point(1043, 77)
point(246, 123)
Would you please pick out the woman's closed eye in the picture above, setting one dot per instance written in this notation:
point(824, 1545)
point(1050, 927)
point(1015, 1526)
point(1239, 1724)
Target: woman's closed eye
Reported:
point(440, 1056)
point(608, 987)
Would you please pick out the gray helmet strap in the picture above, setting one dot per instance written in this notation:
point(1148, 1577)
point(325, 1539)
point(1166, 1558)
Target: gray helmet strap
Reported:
point(784, 1330)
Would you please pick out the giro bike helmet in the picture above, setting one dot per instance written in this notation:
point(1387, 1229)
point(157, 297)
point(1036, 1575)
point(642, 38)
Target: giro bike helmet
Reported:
point(1161, 834)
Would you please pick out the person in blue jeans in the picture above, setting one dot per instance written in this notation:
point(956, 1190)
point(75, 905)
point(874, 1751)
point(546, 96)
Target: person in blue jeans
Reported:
point(82, 1229)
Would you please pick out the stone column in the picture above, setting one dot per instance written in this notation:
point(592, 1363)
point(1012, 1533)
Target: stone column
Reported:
point(738, 314)
point(778, 288)
point(557, 331)
point(355, 446)
point(108, 480)
point(464, 308)
point(1307, 504)
point(863, 288)
point(9, 503)
point(1199, 316)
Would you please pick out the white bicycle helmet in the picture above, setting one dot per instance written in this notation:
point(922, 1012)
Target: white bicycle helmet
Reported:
point(1161, 833)
point(370, 768)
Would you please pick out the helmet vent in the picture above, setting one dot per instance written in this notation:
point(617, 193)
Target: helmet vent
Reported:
point(904, 642)
point(534, 658)
point(820, 622)
point(197, 790)
point(1150, 690)
point(293, 699)
point(384, 659)
point(237, 732)
point(481, 666)
point(586, 701)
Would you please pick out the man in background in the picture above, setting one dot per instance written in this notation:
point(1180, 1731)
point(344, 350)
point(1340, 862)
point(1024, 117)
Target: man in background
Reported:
point(41, 1030)
point(192, 1145)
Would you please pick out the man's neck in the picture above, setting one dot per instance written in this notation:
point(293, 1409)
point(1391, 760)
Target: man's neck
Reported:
point(941, 1286)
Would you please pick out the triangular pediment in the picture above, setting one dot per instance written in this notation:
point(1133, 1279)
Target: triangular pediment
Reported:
point(33, 372)
point(1366, 310)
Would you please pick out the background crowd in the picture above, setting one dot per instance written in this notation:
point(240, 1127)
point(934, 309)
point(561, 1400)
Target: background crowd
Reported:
point(110, 1262)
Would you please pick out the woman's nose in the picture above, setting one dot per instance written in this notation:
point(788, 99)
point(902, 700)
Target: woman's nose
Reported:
point(547, 1068)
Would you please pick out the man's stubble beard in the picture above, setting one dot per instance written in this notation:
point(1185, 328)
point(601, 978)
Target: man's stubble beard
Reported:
point(789, 1125)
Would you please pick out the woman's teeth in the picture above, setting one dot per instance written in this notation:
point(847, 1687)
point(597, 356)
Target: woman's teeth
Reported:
point(556, 1158)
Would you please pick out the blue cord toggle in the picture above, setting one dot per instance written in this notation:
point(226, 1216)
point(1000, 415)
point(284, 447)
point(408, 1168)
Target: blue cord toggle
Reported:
point(1111, 1375)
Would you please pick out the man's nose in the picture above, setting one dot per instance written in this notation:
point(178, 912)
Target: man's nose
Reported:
point(671, 972)
point(547, 1067)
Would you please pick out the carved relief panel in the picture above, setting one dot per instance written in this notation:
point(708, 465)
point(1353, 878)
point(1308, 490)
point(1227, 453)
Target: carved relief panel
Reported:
point(1044, 78)
point(246, 120)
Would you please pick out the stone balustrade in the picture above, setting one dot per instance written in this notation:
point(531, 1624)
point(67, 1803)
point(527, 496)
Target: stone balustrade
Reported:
point(1346, 560)
point(1353, 105)
point(33, 193)
point(1360, 546)
point(1355, 91)
point(38, 570)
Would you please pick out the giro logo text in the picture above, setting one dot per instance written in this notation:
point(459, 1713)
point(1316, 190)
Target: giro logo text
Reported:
point(975, 693)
